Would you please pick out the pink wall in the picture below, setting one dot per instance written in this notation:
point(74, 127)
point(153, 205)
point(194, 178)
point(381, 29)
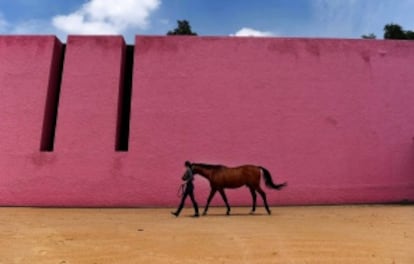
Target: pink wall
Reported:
point(331, 117)
point(27, 74)
point(88, 106)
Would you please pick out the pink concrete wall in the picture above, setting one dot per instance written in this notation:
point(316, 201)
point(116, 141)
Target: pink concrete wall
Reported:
point(25, 75)
point(88, 106)
point(331, 117)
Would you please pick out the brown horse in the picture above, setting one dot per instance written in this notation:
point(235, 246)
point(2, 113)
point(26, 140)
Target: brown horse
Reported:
point(221, 177)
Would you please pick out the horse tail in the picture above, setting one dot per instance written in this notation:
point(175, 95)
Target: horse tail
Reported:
point(269, 182)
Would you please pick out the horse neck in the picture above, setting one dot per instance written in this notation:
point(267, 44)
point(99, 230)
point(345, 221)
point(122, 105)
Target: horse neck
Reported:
point(205, 172)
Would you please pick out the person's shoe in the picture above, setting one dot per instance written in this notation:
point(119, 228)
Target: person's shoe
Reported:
point(174, 213)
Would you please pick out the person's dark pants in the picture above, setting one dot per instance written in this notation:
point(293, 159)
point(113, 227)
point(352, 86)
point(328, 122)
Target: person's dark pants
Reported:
point(180, 207)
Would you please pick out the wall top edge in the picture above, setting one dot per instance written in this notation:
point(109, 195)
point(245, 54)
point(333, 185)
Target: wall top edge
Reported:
point(270, 38)
point(228, 38)
point(29, 37)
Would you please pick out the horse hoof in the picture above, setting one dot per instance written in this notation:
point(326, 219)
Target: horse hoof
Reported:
point(251, 213)
point(269, 212)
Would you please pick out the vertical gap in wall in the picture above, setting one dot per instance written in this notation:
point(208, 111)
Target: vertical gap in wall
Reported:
point(52, 101)
point(124, 104)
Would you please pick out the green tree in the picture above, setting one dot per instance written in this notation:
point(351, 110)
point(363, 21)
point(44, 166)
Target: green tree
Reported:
point(409, 34)
point(370, 36)
point(394, 31)
point(183, 28)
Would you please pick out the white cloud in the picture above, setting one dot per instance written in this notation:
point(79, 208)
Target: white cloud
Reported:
point(250, 32)
point(107, 16)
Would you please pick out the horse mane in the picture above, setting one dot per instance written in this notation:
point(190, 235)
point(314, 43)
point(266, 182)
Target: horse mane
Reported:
point(210, 166)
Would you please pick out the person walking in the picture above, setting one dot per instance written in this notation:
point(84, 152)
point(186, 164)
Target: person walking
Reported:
point(187, 189)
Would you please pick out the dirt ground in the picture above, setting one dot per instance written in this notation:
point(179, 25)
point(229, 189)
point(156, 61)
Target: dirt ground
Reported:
point(324, 234)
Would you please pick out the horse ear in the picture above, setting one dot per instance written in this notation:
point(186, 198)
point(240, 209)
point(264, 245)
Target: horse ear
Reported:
point(187, 164)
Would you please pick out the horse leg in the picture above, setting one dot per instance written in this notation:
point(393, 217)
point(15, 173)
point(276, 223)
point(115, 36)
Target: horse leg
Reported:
point(221, 191)
point(212, 192)
point(263, 194)
point(253, 192)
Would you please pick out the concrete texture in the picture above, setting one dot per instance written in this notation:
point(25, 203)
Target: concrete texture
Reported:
point(28, 73)
point(88, 106)
point(333, 118)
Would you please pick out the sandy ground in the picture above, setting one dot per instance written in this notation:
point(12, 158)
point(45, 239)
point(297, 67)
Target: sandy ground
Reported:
point(327, 234)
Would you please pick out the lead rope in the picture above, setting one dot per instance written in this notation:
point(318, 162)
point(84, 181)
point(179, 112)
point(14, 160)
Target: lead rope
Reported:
point(180, 191)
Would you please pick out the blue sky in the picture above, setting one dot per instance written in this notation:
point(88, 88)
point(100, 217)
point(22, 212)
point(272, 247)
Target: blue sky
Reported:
point(273, 18)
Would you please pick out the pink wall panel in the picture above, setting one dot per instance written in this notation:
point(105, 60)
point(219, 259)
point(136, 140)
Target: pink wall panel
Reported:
point(28, 87)
point(82, 173)
point(88, 106)
point(25, 80)
point(331, 117)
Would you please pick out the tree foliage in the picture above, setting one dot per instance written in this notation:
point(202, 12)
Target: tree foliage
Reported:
point(369, 36)
point(183, 28)
point(395, 31)
point(409, 34)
